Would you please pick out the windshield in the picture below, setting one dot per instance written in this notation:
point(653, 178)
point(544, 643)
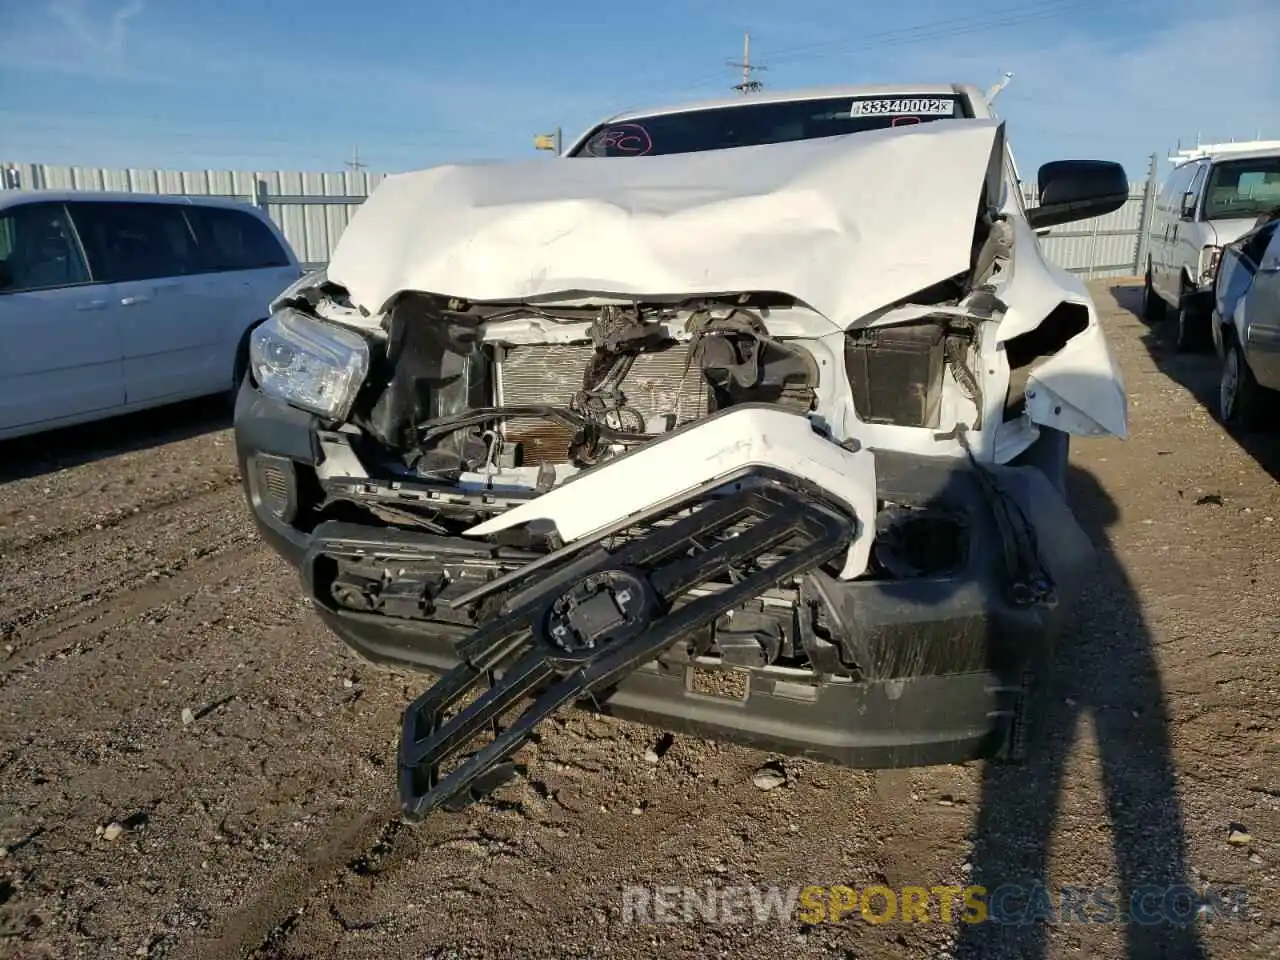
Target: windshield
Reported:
point(1243, 188)
point(752, 124)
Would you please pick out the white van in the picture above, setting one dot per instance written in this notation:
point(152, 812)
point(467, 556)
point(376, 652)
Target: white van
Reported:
point(1205, 204)
point(111, 302)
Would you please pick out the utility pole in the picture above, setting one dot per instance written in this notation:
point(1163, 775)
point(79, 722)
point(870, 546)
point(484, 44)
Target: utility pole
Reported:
point(355, 163)
point(748, 84)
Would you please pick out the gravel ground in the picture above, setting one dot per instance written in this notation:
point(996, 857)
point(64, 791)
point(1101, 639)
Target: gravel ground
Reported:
point(191, 766)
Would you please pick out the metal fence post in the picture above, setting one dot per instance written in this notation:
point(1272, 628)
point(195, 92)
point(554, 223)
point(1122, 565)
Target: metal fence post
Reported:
point(1144, 222)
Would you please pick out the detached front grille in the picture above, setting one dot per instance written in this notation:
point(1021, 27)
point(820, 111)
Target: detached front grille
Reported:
point(553, 374)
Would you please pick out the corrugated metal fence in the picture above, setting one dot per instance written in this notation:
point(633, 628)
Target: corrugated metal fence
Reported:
point(1110, 246)
point(314, 208)
point(311, 208)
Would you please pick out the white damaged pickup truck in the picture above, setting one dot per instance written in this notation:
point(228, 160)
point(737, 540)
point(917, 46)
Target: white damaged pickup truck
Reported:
point(747, 420)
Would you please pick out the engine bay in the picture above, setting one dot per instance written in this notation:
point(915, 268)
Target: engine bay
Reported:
point(525, 397)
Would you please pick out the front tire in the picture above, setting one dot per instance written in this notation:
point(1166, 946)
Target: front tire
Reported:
point(1242, 401)
point(1190, 326)
point(1153, 308)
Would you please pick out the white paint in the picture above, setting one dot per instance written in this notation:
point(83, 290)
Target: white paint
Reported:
point(844, 224)
point(849, 225)
point(1080, 389)
point(338, 460)
point(669, 468)
point(75, 351)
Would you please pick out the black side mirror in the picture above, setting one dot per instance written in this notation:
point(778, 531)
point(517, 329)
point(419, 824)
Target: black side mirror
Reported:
point(1072, 190)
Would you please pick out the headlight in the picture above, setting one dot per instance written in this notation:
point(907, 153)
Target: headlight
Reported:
point(1209, 258)
point(311, 364)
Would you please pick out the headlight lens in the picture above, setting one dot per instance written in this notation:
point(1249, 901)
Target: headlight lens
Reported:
point(1209, 258)
point(311, 364)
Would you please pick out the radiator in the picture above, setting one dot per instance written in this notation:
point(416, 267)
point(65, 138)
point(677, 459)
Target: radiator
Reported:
point(553, 373)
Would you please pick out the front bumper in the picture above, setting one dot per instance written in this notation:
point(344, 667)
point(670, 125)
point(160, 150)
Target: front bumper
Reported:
point(944, 663)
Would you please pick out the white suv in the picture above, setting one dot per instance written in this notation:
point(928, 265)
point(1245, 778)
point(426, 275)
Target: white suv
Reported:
point(1205, 204)
point(111, 302)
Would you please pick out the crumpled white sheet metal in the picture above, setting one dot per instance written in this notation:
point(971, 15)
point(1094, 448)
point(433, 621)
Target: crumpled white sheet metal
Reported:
point(666, 469)
point(845, 224)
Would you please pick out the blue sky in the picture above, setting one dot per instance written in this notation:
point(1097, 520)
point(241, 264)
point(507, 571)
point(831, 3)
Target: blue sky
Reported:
point(292, 85)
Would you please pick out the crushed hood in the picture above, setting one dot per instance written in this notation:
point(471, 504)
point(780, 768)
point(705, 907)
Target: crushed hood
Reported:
point(845, 224)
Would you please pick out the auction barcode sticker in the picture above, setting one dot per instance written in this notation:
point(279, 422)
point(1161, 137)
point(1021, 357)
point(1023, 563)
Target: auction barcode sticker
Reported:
point(903, 107)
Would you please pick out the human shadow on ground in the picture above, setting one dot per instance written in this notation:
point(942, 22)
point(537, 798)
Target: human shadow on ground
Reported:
point(1105, 668)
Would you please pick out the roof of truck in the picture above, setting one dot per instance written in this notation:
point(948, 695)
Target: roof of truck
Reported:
point(814, 93)
point(1228, 151)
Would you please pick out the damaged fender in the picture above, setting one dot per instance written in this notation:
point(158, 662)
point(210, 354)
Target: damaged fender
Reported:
point(671, 467)
point(1079, 389)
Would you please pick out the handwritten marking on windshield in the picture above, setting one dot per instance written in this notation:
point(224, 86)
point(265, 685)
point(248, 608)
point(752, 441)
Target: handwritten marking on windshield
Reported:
point(630, 139)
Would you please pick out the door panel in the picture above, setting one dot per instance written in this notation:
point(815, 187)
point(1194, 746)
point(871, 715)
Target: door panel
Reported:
point(1189, 237)
point(60, 349)
point(1262, 317)
point(1164, 271)
point(168, 330)
point(243, 260)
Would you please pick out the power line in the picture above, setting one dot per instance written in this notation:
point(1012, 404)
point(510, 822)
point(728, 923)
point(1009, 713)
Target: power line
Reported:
point(953, 26)
point(932, 30)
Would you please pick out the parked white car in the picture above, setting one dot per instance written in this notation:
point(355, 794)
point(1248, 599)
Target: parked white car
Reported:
point(111, 302)
point(1205, 204)
point(778, 388)
point(1246, 329)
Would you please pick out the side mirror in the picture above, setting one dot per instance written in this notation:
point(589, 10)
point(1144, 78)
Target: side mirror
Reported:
point(1188, 209)
point(1072, 190)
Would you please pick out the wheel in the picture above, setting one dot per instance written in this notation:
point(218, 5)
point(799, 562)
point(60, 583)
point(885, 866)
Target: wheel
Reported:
point(1241, 400)
point(1189, 325)
point(1153, 308)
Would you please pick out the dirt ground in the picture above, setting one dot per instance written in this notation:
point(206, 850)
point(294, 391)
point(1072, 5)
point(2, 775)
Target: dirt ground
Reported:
point(190, 766)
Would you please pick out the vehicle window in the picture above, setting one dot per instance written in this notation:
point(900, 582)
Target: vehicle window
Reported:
point(1193, 188)
point(1176, 186)
point(234, 240)
point(1171, 188)
point(719, 128)
point(1240, 189)
point(1253, 248)
point(135, 241)
point(38, 249)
